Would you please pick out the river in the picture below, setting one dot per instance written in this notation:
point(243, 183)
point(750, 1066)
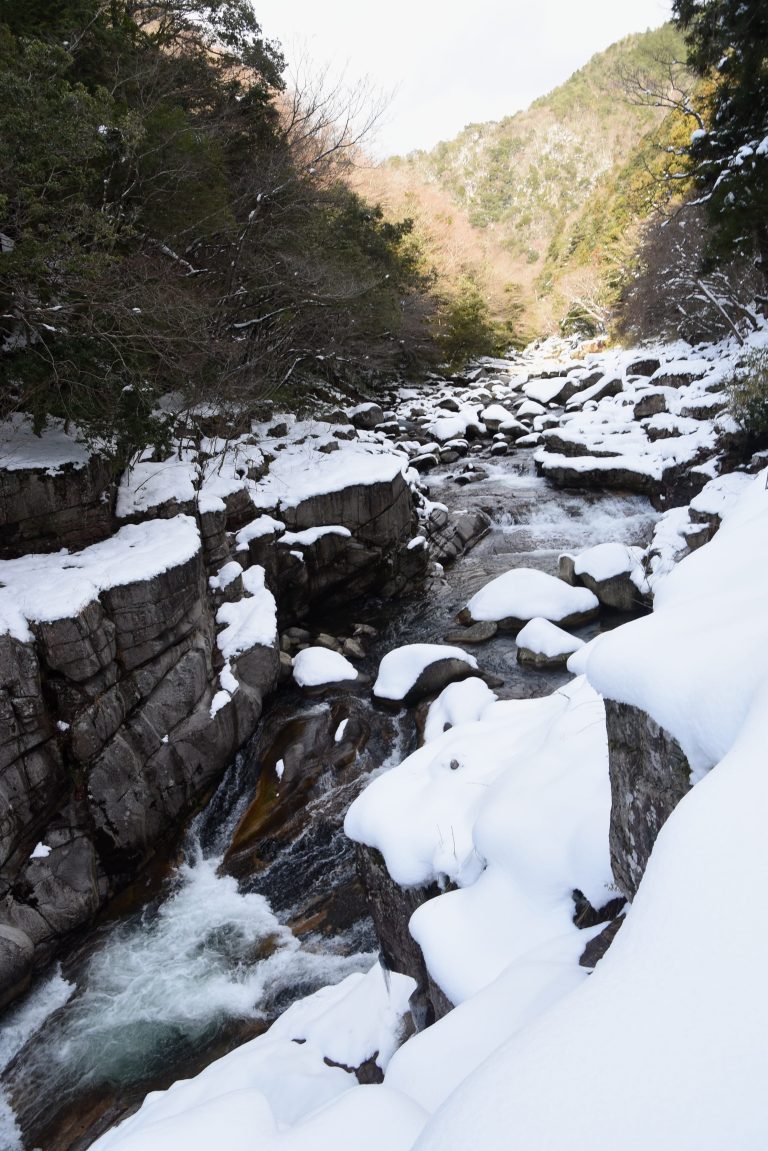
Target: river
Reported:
point(261, 904)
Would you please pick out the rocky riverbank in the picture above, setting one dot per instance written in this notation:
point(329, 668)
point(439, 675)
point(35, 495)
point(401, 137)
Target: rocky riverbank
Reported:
point(139, 664)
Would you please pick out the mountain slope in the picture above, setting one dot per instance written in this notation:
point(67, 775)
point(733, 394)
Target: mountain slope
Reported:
point(518, 187)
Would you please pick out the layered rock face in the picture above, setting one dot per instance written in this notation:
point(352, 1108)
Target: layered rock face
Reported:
point(110, 737)
point(133, 670)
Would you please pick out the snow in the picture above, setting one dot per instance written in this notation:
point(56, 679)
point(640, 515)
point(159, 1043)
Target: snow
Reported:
point(273, 1092)
point(43, 588)
point(52, 451)
point(226, 575)
point(401, 668)
point(544, 391)
point(148, 484)
point(547, 639)
point(251, 621)
point(40, 851)
point(461, 702)
point(310, 536)
point(302, 471)
point(681, 987)
point(513, 809)
point(605, 561)
point(338, 735)
point(696, 663)
point(525, 593)
point(257, 529)
point(315, 666)
point(720, 494)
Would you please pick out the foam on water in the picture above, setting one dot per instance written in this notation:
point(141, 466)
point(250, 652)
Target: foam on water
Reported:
point(166, 982)
point(18, 1024)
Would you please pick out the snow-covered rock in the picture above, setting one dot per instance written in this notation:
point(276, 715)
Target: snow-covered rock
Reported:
point(416, 670)
point(317, 667)
point(517, 596)
point(544, 644)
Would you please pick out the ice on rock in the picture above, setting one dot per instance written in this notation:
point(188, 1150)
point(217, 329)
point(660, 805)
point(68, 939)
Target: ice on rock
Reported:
point(315, 666)
point(525, 593)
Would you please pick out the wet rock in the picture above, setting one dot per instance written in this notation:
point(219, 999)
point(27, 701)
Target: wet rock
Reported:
point(16, 957)
point(353, 649)
point(475, 633)
point(649, 776)
point(597, 947)
point(499, 449)
point(327, 641)
point(391, 908)
point(449, 404)
point(566, 569)
point(286, 667)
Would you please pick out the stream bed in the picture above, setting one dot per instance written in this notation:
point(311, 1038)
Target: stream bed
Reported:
point(261, 904)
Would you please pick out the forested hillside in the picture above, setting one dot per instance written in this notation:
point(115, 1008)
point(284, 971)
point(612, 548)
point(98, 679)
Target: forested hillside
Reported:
point(549, 198)
point(176, 218)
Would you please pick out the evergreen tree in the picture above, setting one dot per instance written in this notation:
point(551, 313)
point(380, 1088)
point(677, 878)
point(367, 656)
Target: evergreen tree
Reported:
point(728, 42)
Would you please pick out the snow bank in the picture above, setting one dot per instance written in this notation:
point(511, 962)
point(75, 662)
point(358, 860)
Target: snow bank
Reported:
point(696, 663)
point(513, 809)
point(525, 593)
point(664, 1046)
point(315, 666)
point(400, 669)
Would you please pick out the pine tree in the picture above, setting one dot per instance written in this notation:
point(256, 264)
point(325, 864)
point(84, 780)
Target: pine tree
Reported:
point(728, 41)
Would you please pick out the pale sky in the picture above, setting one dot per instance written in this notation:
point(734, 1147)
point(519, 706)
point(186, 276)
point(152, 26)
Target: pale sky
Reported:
point(451, 63)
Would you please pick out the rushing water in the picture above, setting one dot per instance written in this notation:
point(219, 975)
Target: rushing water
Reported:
point(212, 958)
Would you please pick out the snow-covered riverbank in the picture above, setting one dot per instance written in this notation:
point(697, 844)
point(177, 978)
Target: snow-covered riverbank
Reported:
point(506, 807)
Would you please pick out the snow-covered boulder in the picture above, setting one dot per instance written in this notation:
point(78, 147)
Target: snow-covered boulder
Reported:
point(614, 572)
point(418, 670)
point(516, 597)
point(317, 667)
point(544, 644)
